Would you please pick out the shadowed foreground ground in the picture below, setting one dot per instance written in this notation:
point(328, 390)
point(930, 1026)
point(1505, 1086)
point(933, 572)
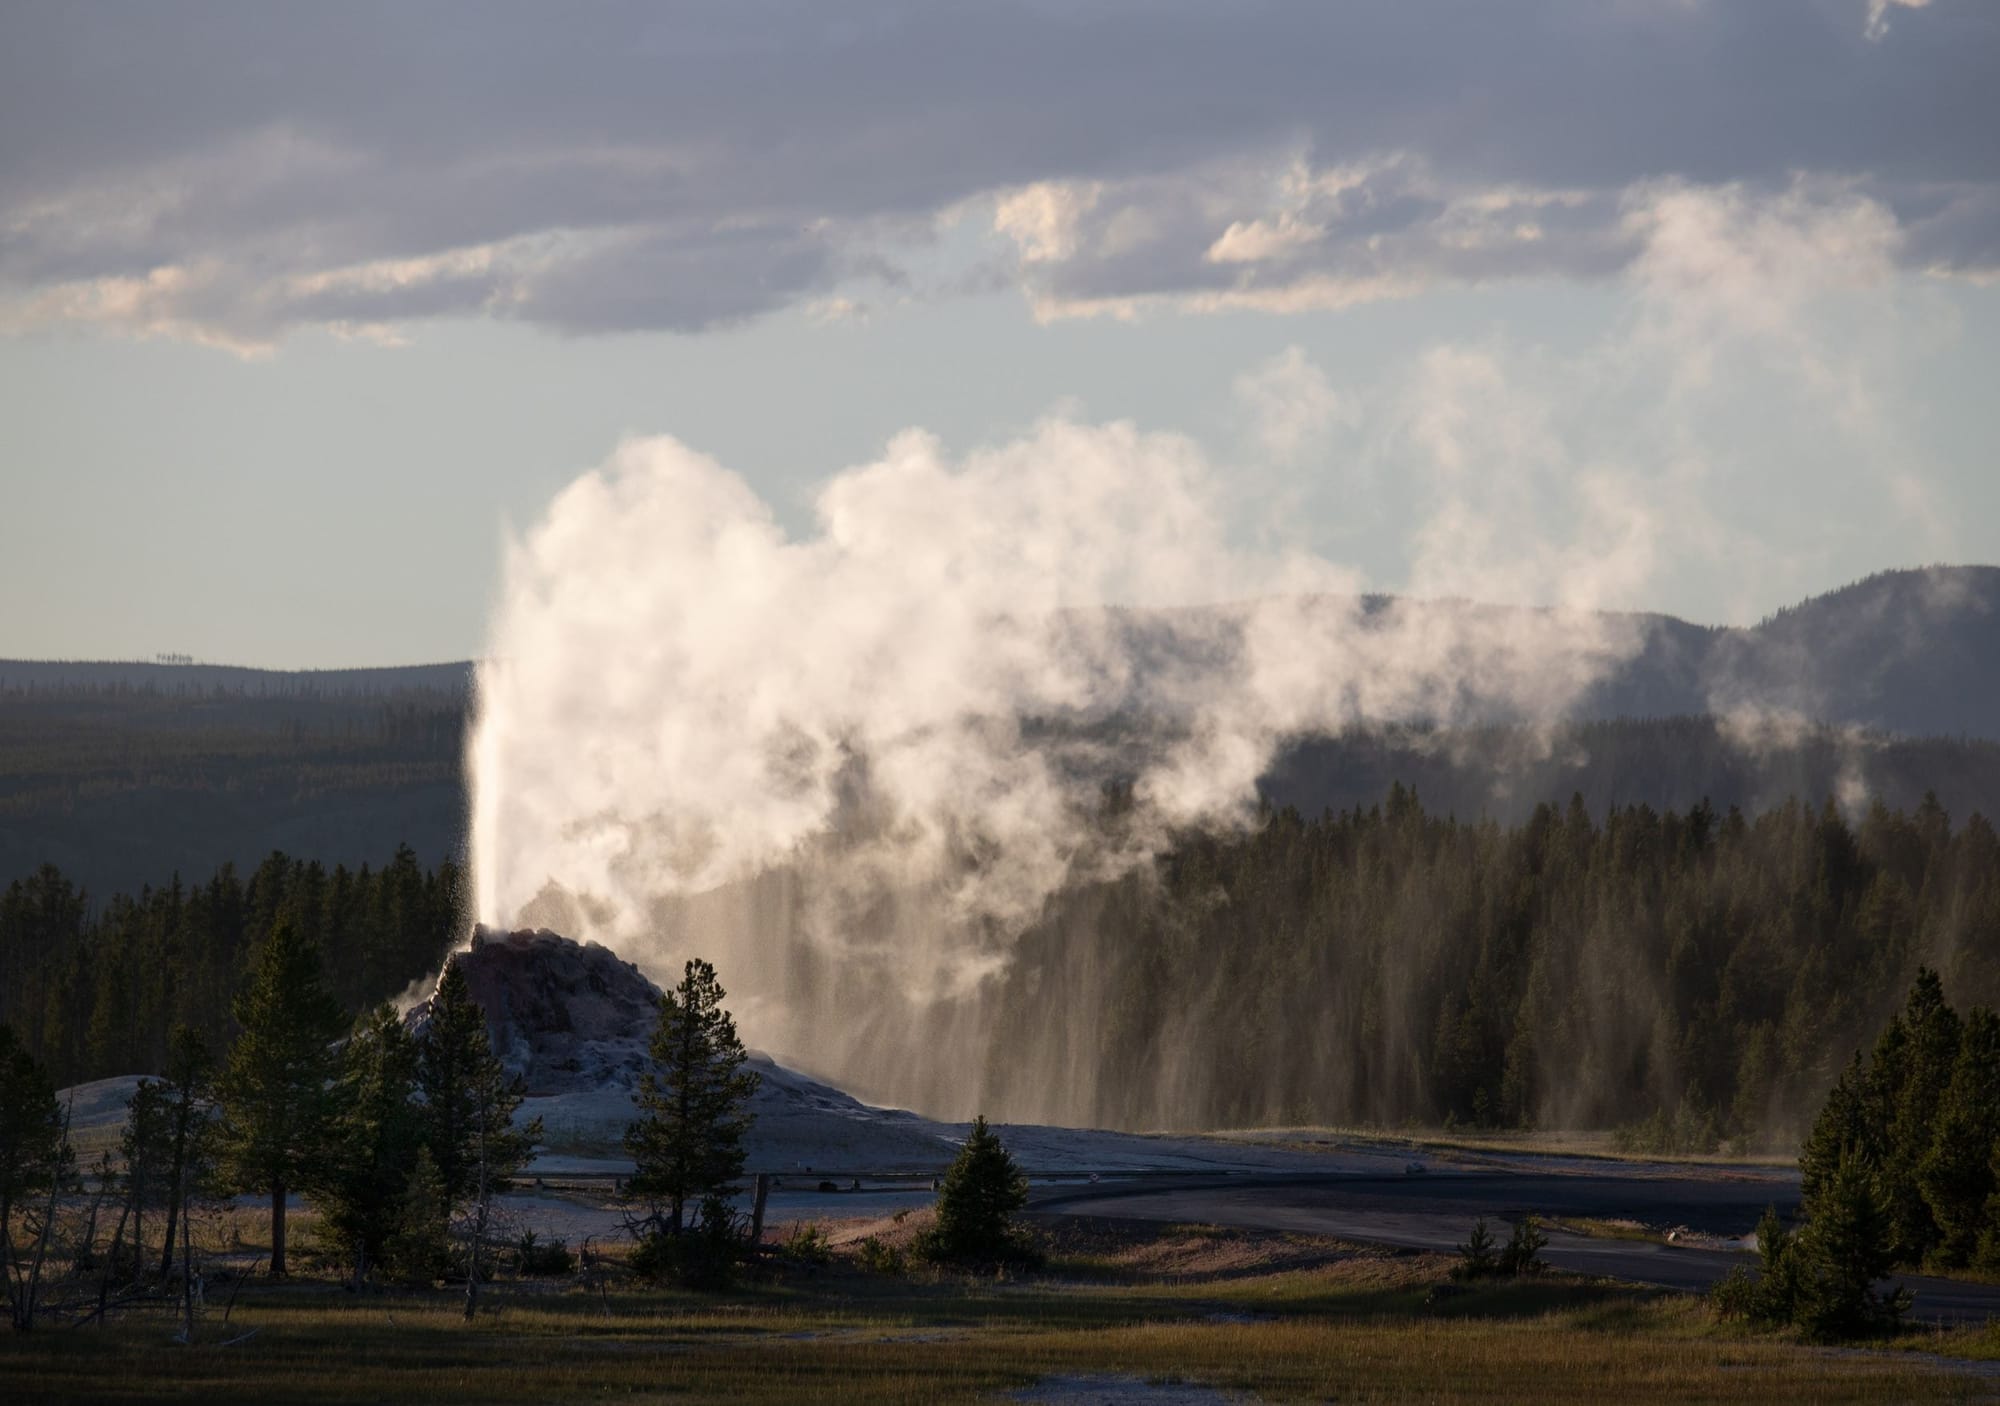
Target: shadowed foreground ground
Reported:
point(1121, 1312)
point(1434, 1212)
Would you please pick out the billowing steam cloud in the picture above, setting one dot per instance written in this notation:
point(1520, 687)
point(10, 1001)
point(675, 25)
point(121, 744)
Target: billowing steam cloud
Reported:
point(682, 696)
point(850, 764)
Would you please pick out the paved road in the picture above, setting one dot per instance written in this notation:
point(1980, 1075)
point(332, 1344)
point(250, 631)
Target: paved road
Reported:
point(1434, 1212)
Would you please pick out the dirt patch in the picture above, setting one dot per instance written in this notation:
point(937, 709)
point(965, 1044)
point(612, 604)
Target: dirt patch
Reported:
point(1196, 1253)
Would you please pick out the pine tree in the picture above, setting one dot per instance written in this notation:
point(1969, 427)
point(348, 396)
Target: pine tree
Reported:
point(1928, 1055)
point(359, 1181)
point(495, 1149)
point(1956, 1175)
point(277, 1098)
point(693, 1102)
point(976, 1202)
point(146, 1144)
point(1987, 1256)
point(31, 1134)
point(1842, 1130)
point(1848, 1245)
point(469, 1102)
point(190, 1083)
point(418, 1250)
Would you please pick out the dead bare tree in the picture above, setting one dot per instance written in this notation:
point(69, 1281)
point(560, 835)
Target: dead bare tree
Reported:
point(28, 1292)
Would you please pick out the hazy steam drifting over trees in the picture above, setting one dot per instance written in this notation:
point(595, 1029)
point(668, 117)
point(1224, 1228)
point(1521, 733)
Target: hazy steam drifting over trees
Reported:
point(854, 763)
point(920, 715)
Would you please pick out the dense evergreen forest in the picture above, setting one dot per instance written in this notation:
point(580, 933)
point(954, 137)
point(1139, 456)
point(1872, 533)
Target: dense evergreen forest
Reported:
point(93, 988)
point(1690, 977)
point(122, 786)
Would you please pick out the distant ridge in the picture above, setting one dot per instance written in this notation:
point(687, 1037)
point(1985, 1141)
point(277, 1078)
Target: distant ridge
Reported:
point(124, 774)
point(1913, 652)
point(177, 679)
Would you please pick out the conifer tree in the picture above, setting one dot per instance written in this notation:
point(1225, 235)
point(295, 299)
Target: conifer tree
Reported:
point(146, 1144)
point(1847, 1245)
point(976, 1202)
point(190, 1083)
point(495, 1148)
point(359, 1181)
point(1956, 1174)
point(1914, 1087)
point(693, 1101)
point(31, 1136)
point(469, 1102)
point(417, 1252)
point(277, 1098)
point(1842, 1130)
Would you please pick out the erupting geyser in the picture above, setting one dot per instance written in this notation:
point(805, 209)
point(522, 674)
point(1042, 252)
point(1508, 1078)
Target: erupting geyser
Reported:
point(849, 768)
point(563, 1017)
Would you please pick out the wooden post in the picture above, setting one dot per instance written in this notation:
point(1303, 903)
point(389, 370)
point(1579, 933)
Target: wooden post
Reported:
point(757, 1209)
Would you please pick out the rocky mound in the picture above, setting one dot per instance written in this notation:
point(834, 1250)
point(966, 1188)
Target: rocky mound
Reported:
point(566, 1017)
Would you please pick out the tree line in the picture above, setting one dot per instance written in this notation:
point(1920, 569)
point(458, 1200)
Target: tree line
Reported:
point(1901, 1171)
point(401, 1132)
point(1692, 978)
point(94, 989)
point(1689, 978)
point(391, 1134)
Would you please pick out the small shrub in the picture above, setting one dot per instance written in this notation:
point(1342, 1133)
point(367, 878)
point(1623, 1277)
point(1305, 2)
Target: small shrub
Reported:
point(704, 1256)
point(878, 1258)
point(1844, 1250)
point(976, 1205)
point(808, 1245)
point(1523, 1254)
point(1690, 1130)
point(418, 1251)
point(536, 1259)
point(1477, 1257)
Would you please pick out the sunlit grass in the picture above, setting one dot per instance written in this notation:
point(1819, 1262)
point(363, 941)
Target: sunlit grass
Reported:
point(1357, 1326)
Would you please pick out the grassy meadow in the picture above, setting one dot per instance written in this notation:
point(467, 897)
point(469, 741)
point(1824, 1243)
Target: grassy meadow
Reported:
point(1270, 1317)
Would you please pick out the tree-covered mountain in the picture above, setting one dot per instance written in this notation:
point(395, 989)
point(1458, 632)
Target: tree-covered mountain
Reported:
point(1689, 977)
point(125, 774)
point(122, 786)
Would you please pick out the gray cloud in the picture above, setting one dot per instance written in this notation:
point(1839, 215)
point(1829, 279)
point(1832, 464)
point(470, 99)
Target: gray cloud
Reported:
point(233, 171)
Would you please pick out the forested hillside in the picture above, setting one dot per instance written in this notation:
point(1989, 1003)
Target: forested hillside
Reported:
point(122, 787)
point(126, 774)
point(1690, 977)
point(94, 988)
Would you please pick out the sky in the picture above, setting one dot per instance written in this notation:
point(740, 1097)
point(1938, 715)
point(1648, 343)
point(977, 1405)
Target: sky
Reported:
point(305, 310)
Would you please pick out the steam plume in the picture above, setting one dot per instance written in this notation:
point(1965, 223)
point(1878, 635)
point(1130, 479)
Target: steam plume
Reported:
point(926, 699)
point(850, 765)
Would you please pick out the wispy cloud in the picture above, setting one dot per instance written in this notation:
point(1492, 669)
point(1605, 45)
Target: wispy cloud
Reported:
point(247, 170)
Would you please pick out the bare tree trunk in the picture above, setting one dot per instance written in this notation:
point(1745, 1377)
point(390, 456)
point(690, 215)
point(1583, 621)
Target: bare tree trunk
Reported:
point(277, 1230)
point(8, 1267)
point(139, 1223)
point(111, 1262)
point(757, 1210)
point(187, 1277)
point(478, 1233)
point(48, 1223)
point(86, 1244)
point(173, 1214)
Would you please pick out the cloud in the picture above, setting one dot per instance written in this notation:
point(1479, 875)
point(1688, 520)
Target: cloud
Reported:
point(851, 762)
point(1878, 14)
point(231, 172)
point(1290, 404)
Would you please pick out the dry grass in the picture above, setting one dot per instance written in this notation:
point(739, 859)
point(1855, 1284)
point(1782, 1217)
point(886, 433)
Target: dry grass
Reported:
point(1284, 1318)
